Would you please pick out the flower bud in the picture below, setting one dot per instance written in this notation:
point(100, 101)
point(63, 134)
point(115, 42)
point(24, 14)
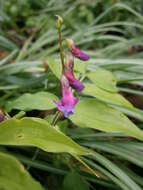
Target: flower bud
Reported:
point(59, 22)
point(76, 51)
point(69, 73)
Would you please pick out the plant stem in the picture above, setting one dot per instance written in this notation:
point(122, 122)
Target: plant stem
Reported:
point(34, 156)
point(61, 48)
point(55, 118)
point(19, 115)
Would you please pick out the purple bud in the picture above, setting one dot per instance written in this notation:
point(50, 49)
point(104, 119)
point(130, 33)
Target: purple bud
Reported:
point(77, 85)
point(2, 116)
point(68, 102)
point(69, 73)
point(76, 51)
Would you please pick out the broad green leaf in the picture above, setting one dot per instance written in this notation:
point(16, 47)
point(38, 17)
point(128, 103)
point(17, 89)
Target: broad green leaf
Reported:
point(113, 98)
point(13, 176)
point(38, 133)
point(91, 113)
point(37, 101)
point(80, 66)
point(74, 181)
point(103, 79)
point(56, 68)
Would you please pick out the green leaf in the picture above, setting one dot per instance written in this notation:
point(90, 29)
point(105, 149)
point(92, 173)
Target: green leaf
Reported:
point(113, 98)
point(80, 66)
point(104, 170)
point(116, 170)
point(125, 152)
point(91, 113)
point(38, 133)
point(104, 79)
point(56, 68)
point(37, 101)
point(74, 181)
point(13, 176)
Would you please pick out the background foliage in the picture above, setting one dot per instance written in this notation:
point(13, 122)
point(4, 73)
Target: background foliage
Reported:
point(100, 147)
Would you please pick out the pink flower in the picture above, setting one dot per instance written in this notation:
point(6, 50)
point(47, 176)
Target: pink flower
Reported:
point(68, 71)
point(68, 102)
point(75, 51)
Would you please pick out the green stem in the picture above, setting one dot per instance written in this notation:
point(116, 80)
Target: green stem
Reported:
point(19, 115)
point(55, 118)
point(61, 48)
point(34, 156)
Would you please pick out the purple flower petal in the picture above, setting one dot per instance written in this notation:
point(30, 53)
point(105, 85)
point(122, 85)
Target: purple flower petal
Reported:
point(66, 109)
point(76, 51)
point(68, 102)
point(69, 73)
point(76, 84)
point(79, 54)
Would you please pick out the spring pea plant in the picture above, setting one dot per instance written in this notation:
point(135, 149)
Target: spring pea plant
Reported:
point(102, 157)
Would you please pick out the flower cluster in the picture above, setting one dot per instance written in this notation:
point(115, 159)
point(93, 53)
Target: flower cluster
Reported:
point(68, 81)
